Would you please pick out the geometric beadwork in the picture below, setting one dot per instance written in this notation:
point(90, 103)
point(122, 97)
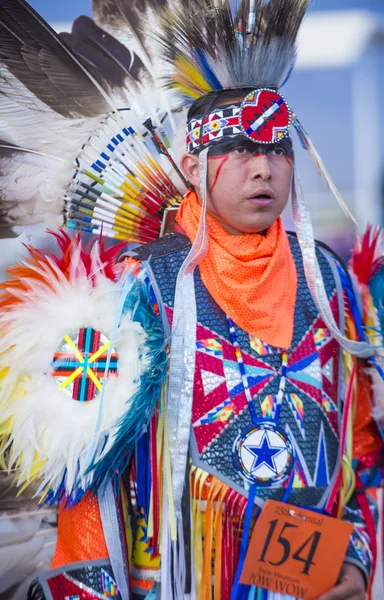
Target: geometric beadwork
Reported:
point(297, 406)
point(221, 413)
point(267, 406)
point(109, 586)
point(265, 116)
point(80, 362)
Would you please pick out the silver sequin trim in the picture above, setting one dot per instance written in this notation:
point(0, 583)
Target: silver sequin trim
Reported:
point(183, 351)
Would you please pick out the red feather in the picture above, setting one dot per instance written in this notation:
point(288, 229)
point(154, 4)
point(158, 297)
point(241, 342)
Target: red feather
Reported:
point(365, 259)
point(67, 245)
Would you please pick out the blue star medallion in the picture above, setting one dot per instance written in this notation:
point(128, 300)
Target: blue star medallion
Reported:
point(263, 453)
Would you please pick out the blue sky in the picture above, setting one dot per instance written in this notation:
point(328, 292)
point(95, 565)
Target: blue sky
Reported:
point(55, 10)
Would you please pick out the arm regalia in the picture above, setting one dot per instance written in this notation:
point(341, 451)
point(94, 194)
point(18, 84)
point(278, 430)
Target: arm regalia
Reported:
point(83, 363)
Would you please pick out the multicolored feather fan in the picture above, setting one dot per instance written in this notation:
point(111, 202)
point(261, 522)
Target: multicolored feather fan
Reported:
point(366, 267)
point(82, 141)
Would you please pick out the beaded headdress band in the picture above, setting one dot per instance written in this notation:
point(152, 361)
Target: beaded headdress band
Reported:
point(263, 116)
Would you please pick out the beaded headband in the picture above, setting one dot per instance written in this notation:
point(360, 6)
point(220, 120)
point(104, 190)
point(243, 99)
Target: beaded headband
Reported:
point(263, 116)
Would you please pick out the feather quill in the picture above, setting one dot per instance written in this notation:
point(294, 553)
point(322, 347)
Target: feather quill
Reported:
point(37, 56)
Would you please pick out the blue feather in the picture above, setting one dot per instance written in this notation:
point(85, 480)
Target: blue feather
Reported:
point(352, 301)
point(288, 75)
point(136, 420)
point(376, 288)
point(303, 136)
point(207, 72)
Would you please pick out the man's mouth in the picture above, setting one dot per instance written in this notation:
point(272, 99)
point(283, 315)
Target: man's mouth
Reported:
point(263, 197)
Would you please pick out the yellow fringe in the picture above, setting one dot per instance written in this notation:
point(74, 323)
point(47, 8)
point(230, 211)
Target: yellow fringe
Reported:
point(348, 476)
point(199, 479)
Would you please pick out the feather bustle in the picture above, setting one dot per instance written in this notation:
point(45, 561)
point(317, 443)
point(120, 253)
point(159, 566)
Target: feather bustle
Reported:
point(81, 286)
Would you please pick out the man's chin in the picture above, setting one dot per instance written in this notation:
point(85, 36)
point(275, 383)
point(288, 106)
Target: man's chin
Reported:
point(260, 227)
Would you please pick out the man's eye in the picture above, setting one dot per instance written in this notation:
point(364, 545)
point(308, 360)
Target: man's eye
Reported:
point(240, 150)
point(277, 151)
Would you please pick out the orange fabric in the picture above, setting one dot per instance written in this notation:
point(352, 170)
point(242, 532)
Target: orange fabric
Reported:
point(80, 533)
point(366, 437)
point(252, 277)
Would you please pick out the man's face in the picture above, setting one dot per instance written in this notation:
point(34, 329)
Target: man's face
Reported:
point(248, 184)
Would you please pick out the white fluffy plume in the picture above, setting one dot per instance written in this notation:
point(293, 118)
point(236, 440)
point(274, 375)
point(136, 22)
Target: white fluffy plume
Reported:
point(50, 434)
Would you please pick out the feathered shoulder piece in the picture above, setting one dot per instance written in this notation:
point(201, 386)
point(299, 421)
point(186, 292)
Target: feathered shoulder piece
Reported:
point(82, 362)
point(366, 267)
point(230, 44)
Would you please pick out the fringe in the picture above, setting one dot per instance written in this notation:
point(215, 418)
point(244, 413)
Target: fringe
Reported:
point(217, 517)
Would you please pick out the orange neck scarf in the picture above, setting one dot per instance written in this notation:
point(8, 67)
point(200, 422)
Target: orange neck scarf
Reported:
point(252, 277)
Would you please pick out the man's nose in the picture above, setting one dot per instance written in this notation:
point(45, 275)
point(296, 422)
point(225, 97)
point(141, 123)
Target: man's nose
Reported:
point(260, 168)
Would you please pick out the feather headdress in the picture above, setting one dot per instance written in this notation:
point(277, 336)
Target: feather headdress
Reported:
point(230, 44)
point(90, 121)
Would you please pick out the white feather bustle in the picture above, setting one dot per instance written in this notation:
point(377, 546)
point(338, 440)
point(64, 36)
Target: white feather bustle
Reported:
point(47, 423)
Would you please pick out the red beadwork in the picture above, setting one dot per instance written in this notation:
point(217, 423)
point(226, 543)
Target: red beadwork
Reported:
point(265, 116)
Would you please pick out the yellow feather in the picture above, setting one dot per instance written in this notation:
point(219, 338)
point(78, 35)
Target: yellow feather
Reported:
point(189, 80)
point(34, 473)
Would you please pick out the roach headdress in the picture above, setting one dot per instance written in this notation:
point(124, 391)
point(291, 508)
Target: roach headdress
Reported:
point(223, 45)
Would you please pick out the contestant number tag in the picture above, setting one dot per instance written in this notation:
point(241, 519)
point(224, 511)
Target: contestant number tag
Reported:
point(295, 552)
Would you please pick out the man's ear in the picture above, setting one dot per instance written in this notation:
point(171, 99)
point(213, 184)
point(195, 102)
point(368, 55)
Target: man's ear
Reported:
point(190, 166)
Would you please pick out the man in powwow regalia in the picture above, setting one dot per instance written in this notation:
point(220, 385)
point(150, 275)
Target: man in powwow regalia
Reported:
point(170, 399)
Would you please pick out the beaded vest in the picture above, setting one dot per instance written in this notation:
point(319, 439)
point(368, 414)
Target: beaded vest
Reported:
point(309, 414)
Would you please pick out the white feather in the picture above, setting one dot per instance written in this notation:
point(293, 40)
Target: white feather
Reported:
point(32, 186)
point(46, 419)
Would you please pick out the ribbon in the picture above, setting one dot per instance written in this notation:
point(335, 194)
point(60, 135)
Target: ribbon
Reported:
point(183, 350)
point(111, 529)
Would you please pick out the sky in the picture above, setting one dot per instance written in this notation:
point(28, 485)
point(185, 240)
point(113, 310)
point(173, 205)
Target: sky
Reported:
point(55, 10)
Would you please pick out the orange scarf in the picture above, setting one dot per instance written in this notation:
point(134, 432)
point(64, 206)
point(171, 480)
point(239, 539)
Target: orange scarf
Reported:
point(252, 277)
